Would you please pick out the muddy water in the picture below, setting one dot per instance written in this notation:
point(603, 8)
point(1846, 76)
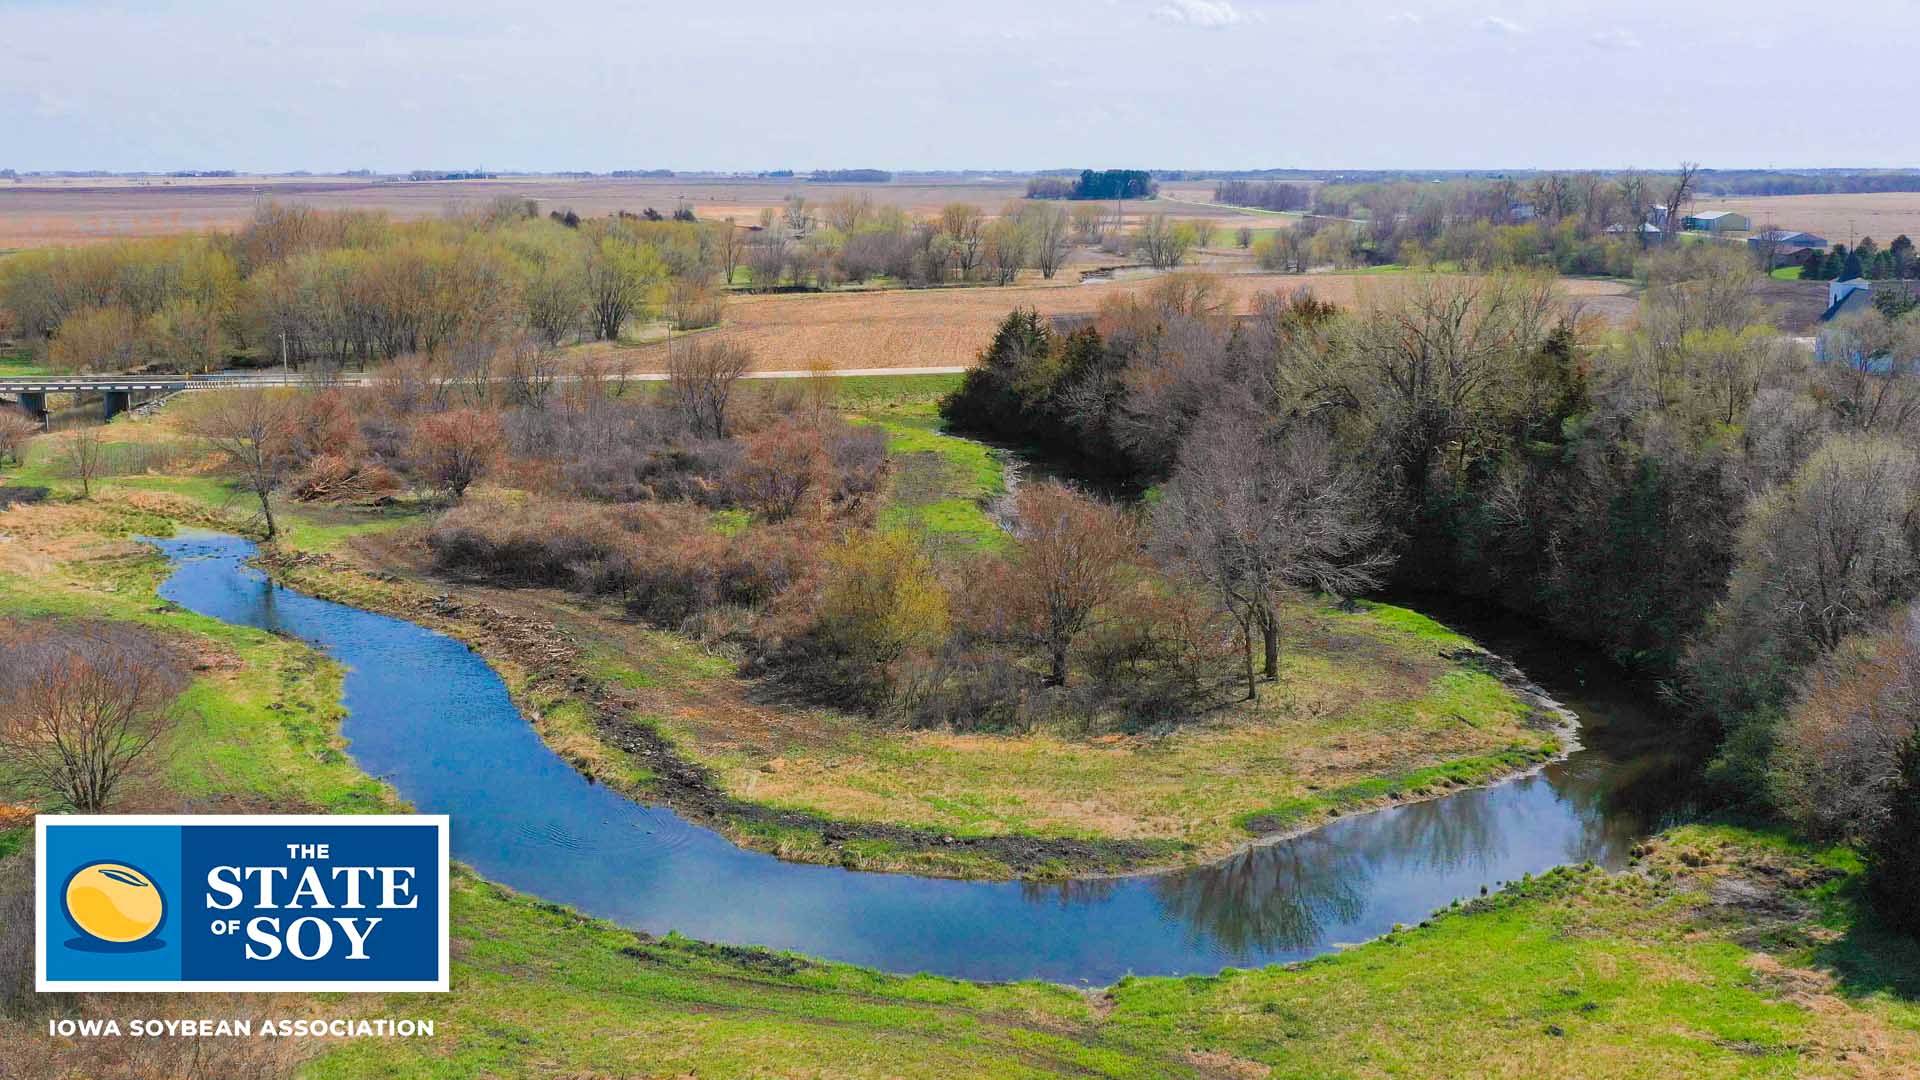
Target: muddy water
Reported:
point(429, 716)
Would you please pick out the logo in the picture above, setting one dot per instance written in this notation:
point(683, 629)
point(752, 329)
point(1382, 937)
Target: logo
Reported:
point(242, 903)
point(114, 904)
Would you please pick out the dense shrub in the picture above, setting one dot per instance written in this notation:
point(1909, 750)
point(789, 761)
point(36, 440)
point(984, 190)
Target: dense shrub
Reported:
point(973, 689)
point(16, 428)
point(877, 603)
point(1837, 762)
point(664, 561)
point(532, 542)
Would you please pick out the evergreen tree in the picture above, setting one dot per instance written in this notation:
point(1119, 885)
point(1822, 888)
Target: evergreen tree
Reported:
point(1015, 375)
point(1851, 268)
point(1893, 852)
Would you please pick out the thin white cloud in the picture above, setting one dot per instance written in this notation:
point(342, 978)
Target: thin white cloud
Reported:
point(49, 106)
point(1618, 38)
point(1200, 12)
point(1501, 25)
point(1405, 18)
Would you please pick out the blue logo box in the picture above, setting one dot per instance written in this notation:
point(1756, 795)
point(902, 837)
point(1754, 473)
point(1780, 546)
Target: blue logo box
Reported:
point(158, 903)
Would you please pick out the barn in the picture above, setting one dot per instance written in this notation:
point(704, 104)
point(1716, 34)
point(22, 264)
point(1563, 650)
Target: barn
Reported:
point(1717, 221)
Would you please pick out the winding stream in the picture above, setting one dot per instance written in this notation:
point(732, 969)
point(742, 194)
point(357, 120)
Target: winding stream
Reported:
point(429, 716)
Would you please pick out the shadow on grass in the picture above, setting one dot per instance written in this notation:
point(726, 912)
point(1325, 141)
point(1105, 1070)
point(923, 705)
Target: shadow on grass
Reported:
point(1871, 957)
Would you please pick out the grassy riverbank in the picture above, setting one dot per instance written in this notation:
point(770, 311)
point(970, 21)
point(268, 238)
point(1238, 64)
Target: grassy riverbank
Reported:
point(1725, 951)
point(1368, 710)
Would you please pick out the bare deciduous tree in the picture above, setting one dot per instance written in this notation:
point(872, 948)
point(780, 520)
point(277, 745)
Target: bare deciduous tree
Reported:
point(1165, 243)
point(767, 259)
point(82, 456)
point(1826, 552)
point(693, 303)
point(964, 226)
point(529, 373)
point(1089, 224)
point(700, 381)
point(731, 249)
point(796, 216)
point(1051, 235)
point(1766, 246)
point(618, 273)
point(454, 449)
point(1633, 200)
point(1255, 514)
point(1868, 388)
point(554, 296)
point(849, 212)
point(1839, 748)
point(80, 706)
point(1004, 249)
point(1068, 561)
point(1430, 360)
point(1680, 196)
point(251, 429)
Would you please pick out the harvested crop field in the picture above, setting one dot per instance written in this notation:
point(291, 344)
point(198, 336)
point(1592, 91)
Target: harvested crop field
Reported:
point(932, 328)
point(35, 212)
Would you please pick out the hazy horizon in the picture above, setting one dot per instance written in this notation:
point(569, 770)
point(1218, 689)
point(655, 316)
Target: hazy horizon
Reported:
point(1196, 84)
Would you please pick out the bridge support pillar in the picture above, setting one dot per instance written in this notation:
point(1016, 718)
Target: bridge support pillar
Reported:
point(35, 404)
point(118, 401)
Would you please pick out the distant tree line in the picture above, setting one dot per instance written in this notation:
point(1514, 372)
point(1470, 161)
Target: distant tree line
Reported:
point(1106, 184)
point(850, 176)
point(355, 288)
point(1572, 223)
point(851, 239)
point(1834, 182)
point(1263, 194)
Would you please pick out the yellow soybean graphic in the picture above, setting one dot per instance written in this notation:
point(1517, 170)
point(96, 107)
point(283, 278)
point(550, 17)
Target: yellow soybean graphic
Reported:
point(114, 902)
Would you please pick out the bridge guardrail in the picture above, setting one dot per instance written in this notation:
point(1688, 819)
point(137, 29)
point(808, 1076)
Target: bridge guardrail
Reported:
point(165, 382)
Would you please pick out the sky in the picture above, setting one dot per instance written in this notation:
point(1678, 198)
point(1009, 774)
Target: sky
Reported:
point(986, 84)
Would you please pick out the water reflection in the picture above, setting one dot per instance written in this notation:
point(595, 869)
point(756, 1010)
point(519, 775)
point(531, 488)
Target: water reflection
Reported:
point(426, 714)
point(1273, 898)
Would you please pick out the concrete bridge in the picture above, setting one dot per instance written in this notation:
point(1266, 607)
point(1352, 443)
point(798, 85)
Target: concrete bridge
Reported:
point(117, 392)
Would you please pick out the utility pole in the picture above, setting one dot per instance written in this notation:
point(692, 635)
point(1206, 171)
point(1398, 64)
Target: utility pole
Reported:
point(286, 367)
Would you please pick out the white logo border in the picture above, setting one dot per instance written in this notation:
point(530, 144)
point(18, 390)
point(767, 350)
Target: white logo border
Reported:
point(42, 984)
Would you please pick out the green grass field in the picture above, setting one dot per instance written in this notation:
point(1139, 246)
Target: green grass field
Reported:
point(19, 364)
point(942, 485)
point(1725, 951)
